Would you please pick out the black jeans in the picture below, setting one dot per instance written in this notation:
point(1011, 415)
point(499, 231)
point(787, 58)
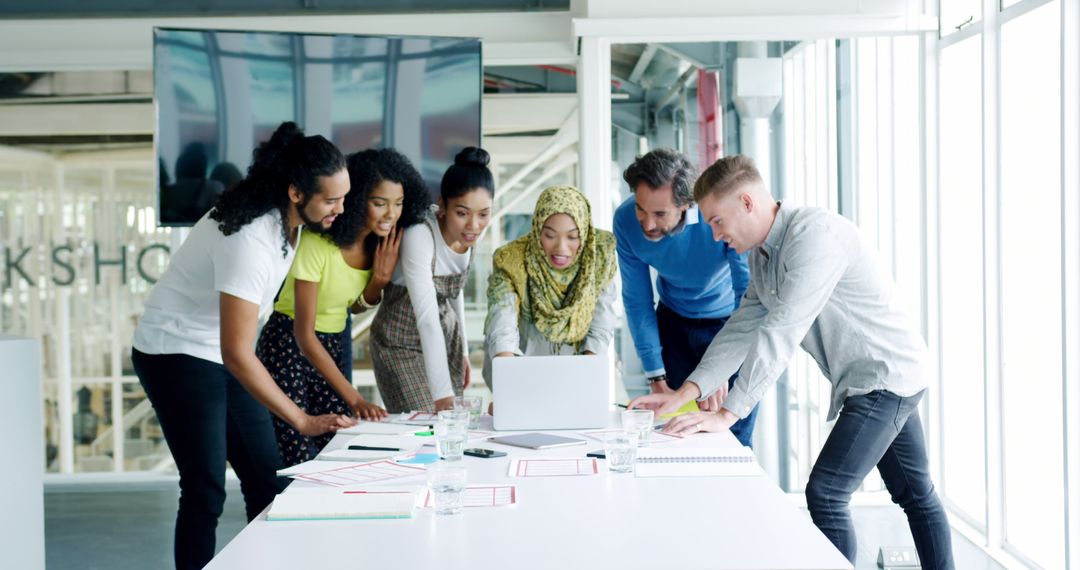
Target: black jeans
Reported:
point(345, 360)
point(683, 343)
point(883, 429)
point(207, 417)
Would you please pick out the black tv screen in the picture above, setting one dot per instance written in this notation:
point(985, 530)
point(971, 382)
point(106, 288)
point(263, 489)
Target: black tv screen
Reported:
point(218, 94)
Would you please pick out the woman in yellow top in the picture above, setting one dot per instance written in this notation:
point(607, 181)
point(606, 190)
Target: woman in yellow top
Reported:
point(552, 291)
point(345, 268)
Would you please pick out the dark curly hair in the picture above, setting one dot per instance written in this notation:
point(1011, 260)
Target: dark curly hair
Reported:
point(288, 158)
point(468, 172)
point(661, 166)
point(366, 170)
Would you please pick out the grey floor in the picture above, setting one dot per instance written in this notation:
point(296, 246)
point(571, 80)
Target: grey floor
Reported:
point(119, 528)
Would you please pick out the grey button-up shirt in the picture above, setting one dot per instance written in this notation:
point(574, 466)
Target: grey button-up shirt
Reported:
point(815, 281)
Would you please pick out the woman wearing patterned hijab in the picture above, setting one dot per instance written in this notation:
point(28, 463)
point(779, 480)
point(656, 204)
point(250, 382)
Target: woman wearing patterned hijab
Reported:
point(552, 290)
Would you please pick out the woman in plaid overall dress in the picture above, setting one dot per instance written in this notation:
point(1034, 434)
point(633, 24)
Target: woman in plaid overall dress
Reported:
point(418, 347)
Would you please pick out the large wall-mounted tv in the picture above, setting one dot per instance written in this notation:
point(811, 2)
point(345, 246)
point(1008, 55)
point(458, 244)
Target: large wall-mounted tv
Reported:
point(219, 93)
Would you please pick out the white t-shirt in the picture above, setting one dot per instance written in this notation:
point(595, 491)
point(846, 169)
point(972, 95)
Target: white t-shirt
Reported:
point(414, 273)
point(182, 314)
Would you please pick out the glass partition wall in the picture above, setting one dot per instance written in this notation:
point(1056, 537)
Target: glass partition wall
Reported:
point(82, 249)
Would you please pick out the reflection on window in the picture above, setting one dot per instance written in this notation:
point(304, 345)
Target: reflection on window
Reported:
point(444, 109)
point(1031, 285)
point(271, 92)
point(232, 90)
point(956, 14)
point(961, 264)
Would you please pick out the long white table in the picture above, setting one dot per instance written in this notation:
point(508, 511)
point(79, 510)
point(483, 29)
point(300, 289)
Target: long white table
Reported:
point(603, 521)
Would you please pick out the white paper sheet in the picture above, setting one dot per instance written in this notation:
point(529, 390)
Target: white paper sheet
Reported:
point(352, 475)
point(483, 496)
point(553, 467)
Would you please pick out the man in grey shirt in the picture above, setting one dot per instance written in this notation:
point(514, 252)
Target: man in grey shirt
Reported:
point(814, 281)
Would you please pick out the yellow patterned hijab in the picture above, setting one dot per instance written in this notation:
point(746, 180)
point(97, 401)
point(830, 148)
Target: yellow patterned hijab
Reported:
point(559, 302)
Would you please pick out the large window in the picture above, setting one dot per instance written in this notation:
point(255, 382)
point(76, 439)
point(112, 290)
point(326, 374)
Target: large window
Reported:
point(960, 262)
point(1002, 248)
point(1030, 262)
point(888, 189)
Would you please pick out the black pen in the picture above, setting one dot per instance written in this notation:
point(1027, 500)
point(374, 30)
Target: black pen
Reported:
point(372, 448)
point(623, 406)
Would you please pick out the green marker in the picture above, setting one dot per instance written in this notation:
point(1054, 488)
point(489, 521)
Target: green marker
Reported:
point(424, 433)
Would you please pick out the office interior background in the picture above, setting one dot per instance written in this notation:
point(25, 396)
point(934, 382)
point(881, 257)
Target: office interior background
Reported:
point(948, 131)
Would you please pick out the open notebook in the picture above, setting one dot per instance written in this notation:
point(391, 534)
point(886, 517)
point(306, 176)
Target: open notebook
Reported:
point(334, 504)
point(381, 446)
point(696, 462)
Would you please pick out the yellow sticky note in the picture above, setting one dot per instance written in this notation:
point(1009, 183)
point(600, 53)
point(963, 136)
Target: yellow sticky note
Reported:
point(686, 408)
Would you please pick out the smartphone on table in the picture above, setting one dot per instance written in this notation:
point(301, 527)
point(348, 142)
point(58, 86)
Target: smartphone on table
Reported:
point(484, 453)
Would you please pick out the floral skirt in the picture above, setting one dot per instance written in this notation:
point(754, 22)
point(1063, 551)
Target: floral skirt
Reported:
point(301, 382)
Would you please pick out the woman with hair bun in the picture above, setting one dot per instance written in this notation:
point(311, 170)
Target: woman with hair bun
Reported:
point(344, 268)
point(418, 346)
point(193, 347)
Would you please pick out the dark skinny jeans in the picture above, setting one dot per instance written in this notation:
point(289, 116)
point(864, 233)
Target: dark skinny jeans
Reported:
point(208, 417)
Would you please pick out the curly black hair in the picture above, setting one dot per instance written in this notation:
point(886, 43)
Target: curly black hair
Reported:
point(288, 158)
point(367, 169)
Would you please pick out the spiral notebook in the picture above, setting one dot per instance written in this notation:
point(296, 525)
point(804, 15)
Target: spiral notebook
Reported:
point(696, 462)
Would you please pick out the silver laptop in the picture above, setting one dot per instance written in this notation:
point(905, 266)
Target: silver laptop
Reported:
point(550, 392)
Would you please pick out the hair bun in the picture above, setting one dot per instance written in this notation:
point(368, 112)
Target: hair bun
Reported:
point(267, 158)
point(472, 156)
point(285, 134)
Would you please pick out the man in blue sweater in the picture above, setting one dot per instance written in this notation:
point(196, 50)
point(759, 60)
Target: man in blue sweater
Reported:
point(700, 281)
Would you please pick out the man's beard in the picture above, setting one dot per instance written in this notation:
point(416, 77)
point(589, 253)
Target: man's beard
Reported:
point(666, 231)
point(309, 224)
point(661, 234)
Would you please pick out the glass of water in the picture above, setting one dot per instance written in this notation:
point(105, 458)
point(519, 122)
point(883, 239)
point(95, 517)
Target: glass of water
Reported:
point(620, 449)
point(447, 484)
point(451, 432)
point(457, 415)
point(474, 404)
point(639, 422)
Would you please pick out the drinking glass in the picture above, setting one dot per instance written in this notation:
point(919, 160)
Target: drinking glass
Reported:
point(474, 404)
point(620, 449)
point(451, 432)
point(639, 422)
point(447, 484)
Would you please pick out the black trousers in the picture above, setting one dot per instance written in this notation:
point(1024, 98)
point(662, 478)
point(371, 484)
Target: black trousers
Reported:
point(208, 417)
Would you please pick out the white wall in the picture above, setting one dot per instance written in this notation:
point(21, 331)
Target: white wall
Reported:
point(115, 43)
point(22, 518)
